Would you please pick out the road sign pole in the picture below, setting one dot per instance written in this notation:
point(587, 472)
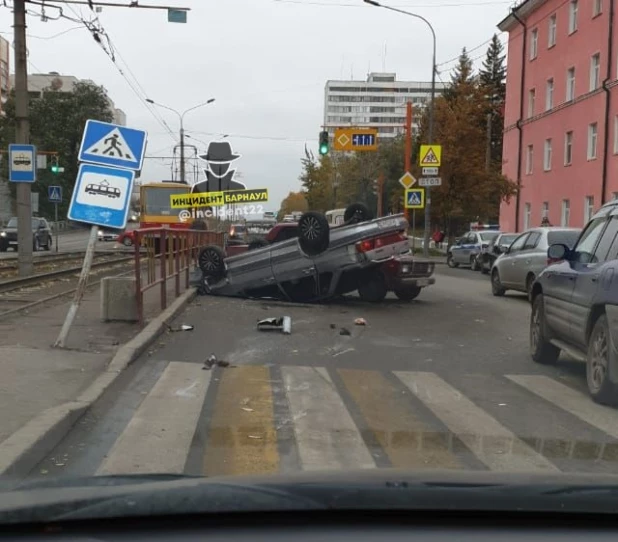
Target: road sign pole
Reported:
point(413, 230)
point(24, 204)
point(56, 219)
point(81, 288)
point(431, 126)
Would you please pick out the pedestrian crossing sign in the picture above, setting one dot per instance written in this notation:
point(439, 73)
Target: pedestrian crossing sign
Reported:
point(415, 198)
point(430, 156)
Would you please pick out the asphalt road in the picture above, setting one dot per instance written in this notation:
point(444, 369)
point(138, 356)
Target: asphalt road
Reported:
point(443, 382)
point(74, 241)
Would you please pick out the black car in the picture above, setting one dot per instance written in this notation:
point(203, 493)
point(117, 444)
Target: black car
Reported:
point(575, 305)
point(41, 235)
point(496, 247)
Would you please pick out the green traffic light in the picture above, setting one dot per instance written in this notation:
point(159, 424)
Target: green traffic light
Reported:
point(323, 149)
point(55, 169)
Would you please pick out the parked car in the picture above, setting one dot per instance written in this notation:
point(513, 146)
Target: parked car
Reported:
point(126, 238)
point(466, 249)
point(496, 247)
point(321, 262)
point(105, 234)
point(41, 235)
point(575, 304)
point(518, 266)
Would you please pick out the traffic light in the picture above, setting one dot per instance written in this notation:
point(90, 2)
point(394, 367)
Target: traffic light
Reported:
point(324, 143)
point(55, 168)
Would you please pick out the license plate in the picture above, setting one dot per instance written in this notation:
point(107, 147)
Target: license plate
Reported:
point(422, 282)
point(392, 223)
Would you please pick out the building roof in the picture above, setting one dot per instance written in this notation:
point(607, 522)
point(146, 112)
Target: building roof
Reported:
point(521, 11)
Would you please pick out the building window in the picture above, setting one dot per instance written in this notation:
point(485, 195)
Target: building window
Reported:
point(573, 16)
point(547, 155)
point(595, 71)
point(568, 148)
point(531, 102)
point(529, 159)
point(551, 34)
point(570, 85)
point(592, 140)
point(527, 213)
point(545, 210)
point(566, 213)
point(597, 7)
point(615, 195)
point(534, 43)
point(588, 208)
point(549, 94)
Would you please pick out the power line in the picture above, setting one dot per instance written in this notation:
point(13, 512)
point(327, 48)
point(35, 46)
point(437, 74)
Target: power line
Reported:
point(357, 5)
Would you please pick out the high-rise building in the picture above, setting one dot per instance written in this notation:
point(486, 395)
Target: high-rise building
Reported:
point(5, 52)
point(379, 102)
point(561, 114)
point(38, 83)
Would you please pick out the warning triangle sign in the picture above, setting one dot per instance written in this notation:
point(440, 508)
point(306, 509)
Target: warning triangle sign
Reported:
point(112, 145)
point(430, 158)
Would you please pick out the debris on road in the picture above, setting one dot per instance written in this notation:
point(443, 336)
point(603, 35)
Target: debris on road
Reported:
point(360, 322)
point(212, 360)
point(344, 331)
point(247, 409)
point(183, 327)
point(255, 437)
point(283, 323)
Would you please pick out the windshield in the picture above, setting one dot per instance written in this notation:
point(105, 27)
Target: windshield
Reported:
point(269, 244)
point(564, 237)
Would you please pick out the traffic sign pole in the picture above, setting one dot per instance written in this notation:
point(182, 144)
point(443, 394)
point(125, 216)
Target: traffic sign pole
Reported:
point(56, 219)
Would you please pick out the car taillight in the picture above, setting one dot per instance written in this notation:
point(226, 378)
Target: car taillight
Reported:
point(378, 242)
point(365, 246)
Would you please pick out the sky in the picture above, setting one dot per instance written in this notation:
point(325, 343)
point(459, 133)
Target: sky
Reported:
point(265, 62)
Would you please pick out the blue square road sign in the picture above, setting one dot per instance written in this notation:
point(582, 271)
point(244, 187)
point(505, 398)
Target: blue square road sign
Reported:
point(54, 194)
point(22, 163)
point(415, 198)
point(113, 145)
point(102, 196)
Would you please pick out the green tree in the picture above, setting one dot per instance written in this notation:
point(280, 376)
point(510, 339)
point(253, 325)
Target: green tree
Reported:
point(492, 78)
point(57, 121)
point(461, 78)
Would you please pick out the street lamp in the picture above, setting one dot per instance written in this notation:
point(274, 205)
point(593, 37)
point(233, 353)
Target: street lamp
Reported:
point(181, 117)
point(431, 109)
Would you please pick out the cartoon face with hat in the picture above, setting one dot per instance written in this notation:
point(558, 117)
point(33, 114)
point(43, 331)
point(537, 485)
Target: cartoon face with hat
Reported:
point(219, 175)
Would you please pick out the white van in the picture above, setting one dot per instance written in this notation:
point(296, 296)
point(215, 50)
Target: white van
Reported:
point(335, 217)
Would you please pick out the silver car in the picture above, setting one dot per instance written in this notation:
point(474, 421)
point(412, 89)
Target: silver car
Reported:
point(523, 261)
point(322, 262)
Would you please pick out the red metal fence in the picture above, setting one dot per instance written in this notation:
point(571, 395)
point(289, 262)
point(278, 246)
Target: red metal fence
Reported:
point(162, 254)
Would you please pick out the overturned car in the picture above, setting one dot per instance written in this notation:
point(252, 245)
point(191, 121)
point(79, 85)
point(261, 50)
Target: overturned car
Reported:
point(322, 262)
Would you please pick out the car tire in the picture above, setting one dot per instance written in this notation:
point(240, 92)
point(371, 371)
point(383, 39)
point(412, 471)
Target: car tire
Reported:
point(601, 388)
point(449, 261)
point(48, 245)
point(541, 350)
point(355, 213)
point(313, 233)
point(127, 242)
point(529, 283)
point(257, 243)
point(496, 285)
point(474, 263)
point(211, 261)
point(407, 293)
point(373, 289)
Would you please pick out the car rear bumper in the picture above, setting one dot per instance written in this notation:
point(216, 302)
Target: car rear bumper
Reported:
point(414, 282)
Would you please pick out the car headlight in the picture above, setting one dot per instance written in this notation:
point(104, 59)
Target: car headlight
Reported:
point(3, 234)
point(405, 269)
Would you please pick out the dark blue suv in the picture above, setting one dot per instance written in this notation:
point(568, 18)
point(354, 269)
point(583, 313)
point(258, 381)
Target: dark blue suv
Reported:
point(575, 305)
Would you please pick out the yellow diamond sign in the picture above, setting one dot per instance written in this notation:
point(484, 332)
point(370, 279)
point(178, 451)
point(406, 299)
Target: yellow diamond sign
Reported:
point(407, 181)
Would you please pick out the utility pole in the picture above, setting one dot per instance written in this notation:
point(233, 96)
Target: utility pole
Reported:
point(408, 150)
point(22, 135)
point(488, 151)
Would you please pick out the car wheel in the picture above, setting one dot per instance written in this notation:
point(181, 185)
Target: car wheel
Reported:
point(496, 286)
point(450, 262)
point(373, 289)
point(257, 243)
point(313, 233)
point(356, 212)
point(407, 293)
point(211, 261)
point(36, 246)
point(541, 350)
point(474, 263)
point(529, 283)
point(127, 242)
point(47, 246)
point(601, 388)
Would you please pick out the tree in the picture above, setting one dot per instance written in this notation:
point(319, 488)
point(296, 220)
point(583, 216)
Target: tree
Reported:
point(294, 201)
point(492, 78)
point(461, 78)
point(57, 121)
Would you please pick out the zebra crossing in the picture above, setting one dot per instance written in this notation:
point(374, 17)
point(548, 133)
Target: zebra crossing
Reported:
point(258, 419)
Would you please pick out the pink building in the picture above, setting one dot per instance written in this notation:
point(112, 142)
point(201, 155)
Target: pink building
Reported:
point(561, 113)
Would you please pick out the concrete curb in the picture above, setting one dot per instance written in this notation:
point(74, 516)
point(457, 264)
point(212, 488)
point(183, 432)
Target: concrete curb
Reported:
point(25, 448)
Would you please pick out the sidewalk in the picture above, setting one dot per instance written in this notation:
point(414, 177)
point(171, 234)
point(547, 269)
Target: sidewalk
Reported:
point(35, 376)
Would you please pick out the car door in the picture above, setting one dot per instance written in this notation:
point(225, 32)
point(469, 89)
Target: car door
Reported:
point(506, 264)
point(465, 248)
point(588, 279)
point(457, 249)
point(523, 260)
point(559, 282)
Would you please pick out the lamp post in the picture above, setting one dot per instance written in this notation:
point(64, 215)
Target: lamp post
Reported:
point(431, 110)
point(181, 117)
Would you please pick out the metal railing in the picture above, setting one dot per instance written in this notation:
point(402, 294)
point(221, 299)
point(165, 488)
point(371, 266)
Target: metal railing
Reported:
point(162, 254)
